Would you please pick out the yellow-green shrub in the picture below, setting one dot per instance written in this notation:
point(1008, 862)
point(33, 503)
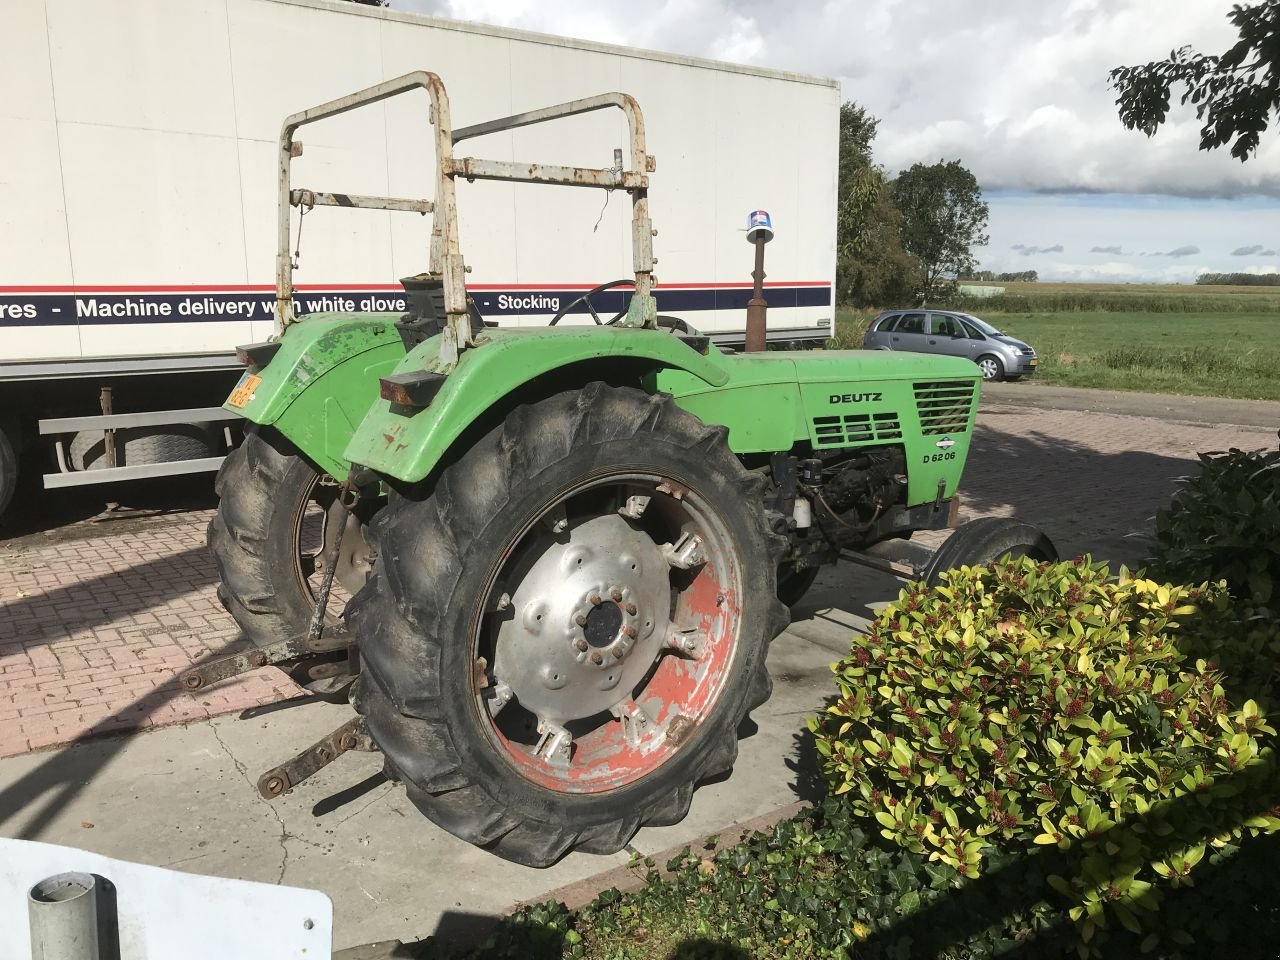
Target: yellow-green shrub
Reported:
point(1042, 703)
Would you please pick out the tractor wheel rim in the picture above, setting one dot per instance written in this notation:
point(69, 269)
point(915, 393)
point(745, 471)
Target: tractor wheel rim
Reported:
point(315, 528)
point(608, 633)
point(310, 532)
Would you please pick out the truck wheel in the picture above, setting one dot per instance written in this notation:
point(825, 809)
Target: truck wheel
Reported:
point(8, 462)
point(276, 513)
point(986, 540)
point(567, 627)
point(168, 443)
point(794, 583)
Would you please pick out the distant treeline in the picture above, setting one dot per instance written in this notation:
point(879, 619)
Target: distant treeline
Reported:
point(1241, 279)
point(1026, 276)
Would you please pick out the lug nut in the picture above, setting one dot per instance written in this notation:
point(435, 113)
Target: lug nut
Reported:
point(595, 600)
point(580, 619)
point(629, 632)
point(617, 595)
point(597, 657)
point(631, 609)
point(581, 645)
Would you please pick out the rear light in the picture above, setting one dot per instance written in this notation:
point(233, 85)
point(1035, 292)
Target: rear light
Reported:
point(257, 354)
point(415, 389)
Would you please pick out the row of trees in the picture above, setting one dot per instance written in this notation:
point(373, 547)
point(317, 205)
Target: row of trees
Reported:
point(988, 276)
point(900, 238)
point(1241, 279)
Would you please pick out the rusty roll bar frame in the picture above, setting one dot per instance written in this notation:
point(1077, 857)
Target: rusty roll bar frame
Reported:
point(445, 258)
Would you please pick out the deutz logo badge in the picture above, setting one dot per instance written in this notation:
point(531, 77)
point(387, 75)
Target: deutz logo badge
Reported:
point(945, 443)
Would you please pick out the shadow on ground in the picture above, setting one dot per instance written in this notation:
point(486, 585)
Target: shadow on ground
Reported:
point(100, 510)
point(1086, 500)
point(471, 936)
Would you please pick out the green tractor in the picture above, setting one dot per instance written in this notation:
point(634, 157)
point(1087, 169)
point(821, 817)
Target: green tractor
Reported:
point(568, 548)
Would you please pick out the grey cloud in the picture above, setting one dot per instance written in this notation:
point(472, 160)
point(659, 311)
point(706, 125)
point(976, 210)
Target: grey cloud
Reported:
point(1247, 251)
point(1112, 250)
point(1189, 250)
point(1028, 251)
point(1267, 253)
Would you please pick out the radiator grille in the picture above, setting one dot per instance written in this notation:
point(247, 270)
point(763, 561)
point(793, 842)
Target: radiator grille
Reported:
point(944, 406)
point(856, 428)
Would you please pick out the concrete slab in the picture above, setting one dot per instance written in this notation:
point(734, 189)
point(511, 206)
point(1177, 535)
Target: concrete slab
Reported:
point(184, 797)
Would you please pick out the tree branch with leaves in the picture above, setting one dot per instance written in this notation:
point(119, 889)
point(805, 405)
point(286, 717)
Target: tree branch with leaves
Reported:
point(1234, 93)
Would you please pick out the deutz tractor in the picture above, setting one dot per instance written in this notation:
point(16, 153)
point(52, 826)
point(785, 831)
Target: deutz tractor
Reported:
point(569, 547)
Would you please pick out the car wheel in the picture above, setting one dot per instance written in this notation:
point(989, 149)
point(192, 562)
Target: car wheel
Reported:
point(991, 367)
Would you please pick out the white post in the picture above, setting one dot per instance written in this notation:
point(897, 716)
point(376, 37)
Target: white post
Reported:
point(63, 911)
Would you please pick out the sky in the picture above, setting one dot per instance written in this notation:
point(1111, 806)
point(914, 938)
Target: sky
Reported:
point(1015, 91)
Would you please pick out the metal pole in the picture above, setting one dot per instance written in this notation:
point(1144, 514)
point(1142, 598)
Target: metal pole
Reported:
point(756, 306)
point(63, 913)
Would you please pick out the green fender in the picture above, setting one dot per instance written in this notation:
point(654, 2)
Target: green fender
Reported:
point(407, 444)
point(320, 383)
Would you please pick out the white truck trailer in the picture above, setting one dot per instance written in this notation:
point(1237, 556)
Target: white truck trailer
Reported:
point(138, 202)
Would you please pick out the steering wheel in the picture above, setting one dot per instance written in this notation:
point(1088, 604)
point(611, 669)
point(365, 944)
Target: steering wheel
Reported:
point(586, 298)
point(674, 324)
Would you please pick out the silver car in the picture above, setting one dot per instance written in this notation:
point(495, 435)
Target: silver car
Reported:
point(957, 334)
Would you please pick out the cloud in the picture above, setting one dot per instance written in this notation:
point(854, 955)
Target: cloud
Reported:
point(1053, 130)
point(1247, 251)
point(1027, 251)
point(1267, 253)
point(1190, 250)
point(1116, 251)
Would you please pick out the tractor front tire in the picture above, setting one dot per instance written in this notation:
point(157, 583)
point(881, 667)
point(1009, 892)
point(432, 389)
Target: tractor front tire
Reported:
point(264, 488)
point(568, 624)
point(986, 540)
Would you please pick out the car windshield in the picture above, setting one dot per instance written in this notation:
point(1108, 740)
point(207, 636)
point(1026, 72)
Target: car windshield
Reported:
point(982, 325)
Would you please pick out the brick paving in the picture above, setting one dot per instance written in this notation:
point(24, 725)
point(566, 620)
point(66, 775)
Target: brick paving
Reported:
point(94, 631)
point(97, 621)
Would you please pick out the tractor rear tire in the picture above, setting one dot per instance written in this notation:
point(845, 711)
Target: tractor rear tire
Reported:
point(511, 732)
point(264, 488)
point(983, 541)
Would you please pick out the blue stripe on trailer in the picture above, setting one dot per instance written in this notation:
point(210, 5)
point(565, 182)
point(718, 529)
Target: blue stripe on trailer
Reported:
point(41, 309)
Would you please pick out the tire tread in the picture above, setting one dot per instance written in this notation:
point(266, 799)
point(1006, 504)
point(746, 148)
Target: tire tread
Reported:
point(404, 705)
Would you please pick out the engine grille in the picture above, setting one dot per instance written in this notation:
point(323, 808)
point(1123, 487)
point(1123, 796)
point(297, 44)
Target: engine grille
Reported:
point(856, 428)
point(944, 406)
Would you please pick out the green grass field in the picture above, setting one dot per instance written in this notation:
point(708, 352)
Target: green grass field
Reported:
point(1135, 338)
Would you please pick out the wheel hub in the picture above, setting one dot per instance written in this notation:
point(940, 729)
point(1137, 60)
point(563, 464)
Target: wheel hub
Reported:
point(604, 624)
point(588, 617)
